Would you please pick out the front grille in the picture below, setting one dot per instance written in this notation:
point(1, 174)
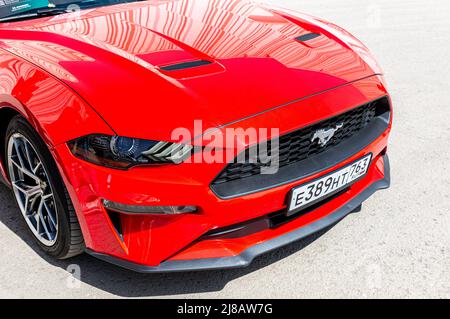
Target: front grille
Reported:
point(299, 146)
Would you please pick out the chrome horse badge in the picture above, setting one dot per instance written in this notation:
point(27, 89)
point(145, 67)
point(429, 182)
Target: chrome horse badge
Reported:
point(325, 135)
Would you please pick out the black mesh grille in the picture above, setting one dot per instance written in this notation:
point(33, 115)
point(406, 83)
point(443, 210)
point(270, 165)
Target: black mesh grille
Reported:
point(298, 146)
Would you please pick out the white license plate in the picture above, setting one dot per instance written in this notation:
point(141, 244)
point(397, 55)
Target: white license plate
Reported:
point(311, 193)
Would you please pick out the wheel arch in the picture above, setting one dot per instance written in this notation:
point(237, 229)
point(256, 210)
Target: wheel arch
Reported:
point(7, 113)
point(9, 108)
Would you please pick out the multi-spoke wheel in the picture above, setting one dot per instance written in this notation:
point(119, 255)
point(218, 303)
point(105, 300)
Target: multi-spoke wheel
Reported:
point(32, 189)
point(40, 192)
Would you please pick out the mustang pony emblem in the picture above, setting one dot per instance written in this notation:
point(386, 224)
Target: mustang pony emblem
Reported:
point(325, 135)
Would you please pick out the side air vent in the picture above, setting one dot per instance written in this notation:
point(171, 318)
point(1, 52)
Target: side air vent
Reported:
point(116, 222)
point(185, 65)
point(307, 37)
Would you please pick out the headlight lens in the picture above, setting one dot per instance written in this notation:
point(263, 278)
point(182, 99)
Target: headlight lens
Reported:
point(124, 152)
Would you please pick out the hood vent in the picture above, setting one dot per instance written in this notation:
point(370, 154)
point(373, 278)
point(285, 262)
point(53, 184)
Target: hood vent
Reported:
point(307, 37)
point(184, 65)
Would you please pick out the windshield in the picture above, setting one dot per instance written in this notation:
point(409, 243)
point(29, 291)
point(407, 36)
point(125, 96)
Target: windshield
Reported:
point(35, 8)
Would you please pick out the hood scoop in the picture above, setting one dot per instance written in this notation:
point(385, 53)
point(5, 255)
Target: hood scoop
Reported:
point(184, 65)
point(307, 37)
point(190, 69)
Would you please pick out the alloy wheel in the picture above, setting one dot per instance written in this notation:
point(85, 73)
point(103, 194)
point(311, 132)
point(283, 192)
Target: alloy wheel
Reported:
point(32, 189)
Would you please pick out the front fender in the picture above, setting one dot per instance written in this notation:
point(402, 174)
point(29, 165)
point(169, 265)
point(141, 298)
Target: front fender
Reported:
point(56, 112)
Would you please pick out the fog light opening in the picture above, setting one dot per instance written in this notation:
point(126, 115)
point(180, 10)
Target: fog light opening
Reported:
point(149, 210)
point(116, 222)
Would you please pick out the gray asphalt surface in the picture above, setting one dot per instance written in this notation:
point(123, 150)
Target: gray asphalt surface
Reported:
point(398, 246)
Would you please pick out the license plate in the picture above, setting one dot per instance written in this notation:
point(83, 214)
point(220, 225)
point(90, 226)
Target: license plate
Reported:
point(313, 192)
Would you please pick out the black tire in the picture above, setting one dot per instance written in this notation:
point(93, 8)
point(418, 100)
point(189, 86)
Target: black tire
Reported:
point(69, 240)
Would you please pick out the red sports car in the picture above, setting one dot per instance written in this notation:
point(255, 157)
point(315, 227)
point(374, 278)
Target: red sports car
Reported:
point(175, 135)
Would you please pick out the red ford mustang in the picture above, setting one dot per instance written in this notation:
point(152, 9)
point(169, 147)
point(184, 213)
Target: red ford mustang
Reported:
point(109, 109)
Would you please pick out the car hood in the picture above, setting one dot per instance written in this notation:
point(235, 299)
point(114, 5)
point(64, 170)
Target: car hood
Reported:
point(150, 67)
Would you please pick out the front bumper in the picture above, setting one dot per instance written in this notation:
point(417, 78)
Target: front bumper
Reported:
point(246, 257)
point(176, 243)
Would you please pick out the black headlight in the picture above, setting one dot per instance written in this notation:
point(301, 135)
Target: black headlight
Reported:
point(124, 152)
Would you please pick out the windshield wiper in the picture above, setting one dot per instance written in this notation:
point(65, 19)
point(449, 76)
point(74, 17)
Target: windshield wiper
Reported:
point(37, 13)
